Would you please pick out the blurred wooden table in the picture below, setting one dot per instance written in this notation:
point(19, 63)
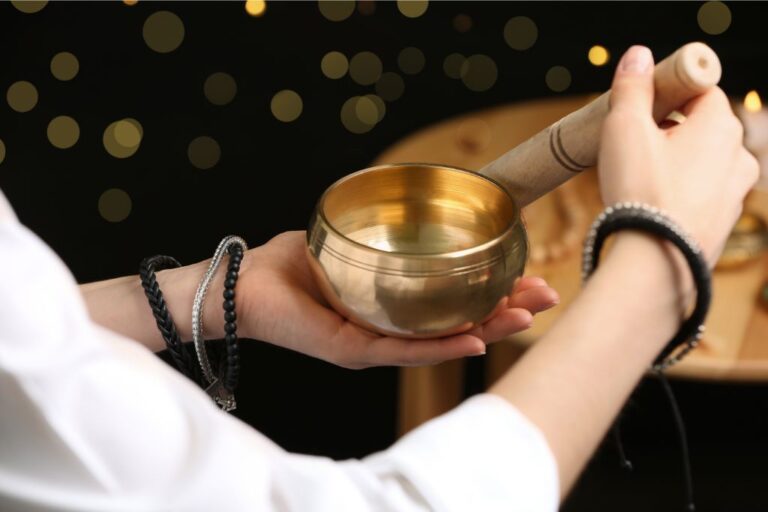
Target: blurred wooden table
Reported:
point(736, 342)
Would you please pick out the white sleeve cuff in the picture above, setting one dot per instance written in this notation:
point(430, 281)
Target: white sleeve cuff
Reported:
point(484, 455)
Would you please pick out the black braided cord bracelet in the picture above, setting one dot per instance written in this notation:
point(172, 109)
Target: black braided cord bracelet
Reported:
point(640, 217)
point(181, 357)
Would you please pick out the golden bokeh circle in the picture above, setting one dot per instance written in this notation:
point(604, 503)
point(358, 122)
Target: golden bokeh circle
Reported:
point(411, 60)
point(350, 118)
point(479, 73)
point(365, 68)
point(122, 138)
point(598, 55)
point(334, 65)
point(381, 107)
point(29, 6)
point(204, 152)
point(2, 151)
point(220, 88)
point(452, 65)
point(286, 105)
point(520, 33)
point(163, 31)
point(63, 132)
point(256, 8)
point(390, 86)
point(64, 66)
point(336, 10)
point(412, 8)
point(115, 205)
point(558, 78)
point(130, 2)
point(462, 23)
point(22, 96)
point(366, 110)
point(714, 18)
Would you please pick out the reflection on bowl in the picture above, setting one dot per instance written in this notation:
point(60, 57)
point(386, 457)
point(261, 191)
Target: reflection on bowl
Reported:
point(416, 250)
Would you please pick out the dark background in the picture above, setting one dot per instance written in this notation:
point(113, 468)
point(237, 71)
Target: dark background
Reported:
point(271, 173)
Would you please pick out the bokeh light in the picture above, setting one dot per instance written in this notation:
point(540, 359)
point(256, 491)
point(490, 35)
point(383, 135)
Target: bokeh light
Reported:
point(63, 132)
point(462, 23)
point(122, 138)
point(29, 6)
point(130, 2)
point(115, 205)
point(381, 107)
point(520, 33)
point(412, 8)
point(204, 152)
point(336, 10)
point(714, 18)
point(353, 109)
point(366, 110)
point(334, 65)
point(453, 64)
point(411, 60)
point(365, 68)
point(558, 78)
point(163, 31)
point(22, 96)
point(286, 105)
point(479, 73)
point(390, 86)
point(2, 151)
point(598, 55)
point(255, 8)
point(64, 66)
point(220, 88)
point(752, 102)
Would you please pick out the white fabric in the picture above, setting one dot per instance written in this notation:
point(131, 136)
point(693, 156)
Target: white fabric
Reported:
point(91, 421)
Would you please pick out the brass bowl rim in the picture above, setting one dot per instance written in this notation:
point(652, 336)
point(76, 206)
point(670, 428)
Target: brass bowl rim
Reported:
point(440, 255)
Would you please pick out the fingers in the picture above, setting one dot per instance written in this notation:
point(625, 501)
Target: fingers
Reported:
point(709, 105)
point(506, 323)
point(400, 352)
point(535, 300)
point(528, 282)
point(632, 89)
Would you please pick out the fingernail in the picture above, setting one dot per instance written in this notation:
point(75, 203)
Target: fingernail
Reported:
point(480, 351)
point(636, 60)
point(551, 305)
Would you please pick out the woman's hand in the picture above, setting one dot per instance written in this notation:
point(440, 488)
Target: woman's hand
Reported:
point(279, 302)
point(697, 171)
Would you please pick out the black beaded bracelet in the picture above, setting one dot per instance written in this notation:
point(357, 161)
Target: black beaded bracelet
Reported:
point(232, 374)
point(221, 387)
point(181, 358)
point(640, 217)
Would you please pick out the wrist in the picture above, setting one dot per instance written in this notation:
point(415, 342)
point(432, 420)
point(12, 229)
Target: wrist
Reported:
point(659, 260)
point(179, 286)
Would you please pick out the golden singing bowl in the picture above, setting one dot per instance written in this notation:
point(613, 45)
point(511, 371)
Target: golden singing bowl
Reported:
point(416, 250)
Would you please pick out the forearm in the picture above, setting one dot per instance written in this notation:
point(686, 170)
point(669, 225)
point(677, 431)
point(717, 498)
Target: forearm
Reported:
point(120, 304)
point(573, 382)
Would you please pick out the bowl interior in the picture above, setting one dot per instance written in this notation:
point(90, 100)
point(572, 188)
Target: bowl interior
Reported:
point(418, 209)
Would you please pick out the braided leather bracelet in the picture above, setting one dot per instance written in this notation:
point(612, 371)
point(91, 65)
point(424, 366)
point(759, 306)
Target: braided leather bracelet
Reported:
point(182, 359)
point(641, 217)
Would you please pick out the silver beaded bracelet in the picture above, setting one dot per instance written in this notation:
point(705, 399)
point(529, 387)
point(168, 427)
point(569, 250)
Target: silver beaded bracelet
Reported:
point(642, 217)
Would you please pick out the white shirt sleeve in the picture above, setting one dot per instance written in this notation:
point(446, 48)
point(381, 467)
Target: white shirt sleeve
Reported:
point(91, 421)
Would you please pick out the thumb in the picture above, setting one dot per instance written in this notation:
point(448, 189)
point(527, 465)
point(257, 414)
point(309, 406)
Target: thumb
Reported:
point(632, 88)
